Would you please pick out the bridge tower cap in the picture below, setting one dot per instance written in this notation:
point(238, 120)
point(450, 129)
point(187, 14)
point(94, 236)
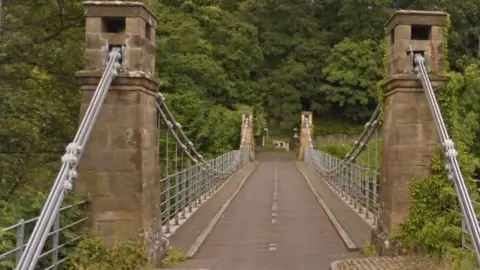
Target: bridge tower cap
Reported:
point(415, 17)
point(124, 24)
point(130, 9)
point(412, 32)
point(307, 114)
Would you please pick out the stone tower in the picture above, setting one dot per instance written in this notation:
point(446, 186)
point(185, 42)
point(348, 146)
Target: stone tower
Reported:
point(120, 167)
point(304, 128)
point(409, 132)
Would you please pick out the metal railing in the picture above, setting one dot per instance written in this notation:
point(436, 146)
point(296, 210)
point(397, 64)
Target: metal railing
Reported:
point(187, 189)
point(358, 185)
point(184, 189)
point(63, 235)
point(355, 178)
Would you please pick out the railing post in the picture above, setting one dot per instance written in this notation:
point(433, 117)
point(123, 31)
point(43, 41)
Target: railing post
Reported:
point(20, 240)
point(366, 189)
point(183, 182)
point(168, 197)
point(211, 178)
point(55, 241)
point(177, 195)
point(190, 188)
point(198, 185)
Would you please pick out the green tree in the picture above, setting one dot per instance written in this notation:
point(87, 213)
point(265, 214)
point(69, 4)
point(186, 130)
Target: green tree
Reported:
point(352, 70)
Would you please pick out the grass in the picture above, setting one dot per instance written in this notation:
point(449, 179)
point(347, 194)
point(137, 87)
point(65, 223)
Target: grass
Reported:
point(174, 256)
point(369, 250)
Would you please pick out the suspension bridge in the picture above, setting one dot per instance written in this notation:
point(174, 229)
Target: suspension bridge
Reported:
point(241, 210)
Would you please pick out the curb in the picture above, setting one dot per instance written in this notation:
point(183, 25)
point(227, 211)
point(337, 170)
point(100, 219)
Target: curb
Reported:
point(334, 265)
point(341, 231)
point(174, 228)
point(201, 238)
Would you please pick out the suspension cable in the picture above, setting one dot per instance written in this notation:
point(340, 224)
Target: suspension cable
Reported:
point(359, 144)
point(67, 173)
point(189, 144)
point(454, 172)
point(186, 144)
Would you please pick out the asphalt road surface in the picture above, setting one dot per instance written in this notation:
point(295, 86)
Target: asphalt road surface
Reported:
point(275, 222)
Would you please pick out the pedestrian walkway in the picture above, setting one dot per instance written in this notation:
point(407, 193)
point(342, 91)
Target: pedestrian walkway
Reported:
point(275, 222)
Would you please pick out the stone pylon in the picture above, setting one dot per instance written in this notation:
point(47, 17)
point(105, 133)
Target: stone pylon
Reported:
point(249, 139)
point(120, 167)
point(409, 132)
point(305, 126)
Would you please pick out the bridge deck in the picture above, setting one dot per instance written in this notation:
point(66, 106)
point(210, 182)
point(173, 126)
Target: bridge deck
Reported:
point(275, 222)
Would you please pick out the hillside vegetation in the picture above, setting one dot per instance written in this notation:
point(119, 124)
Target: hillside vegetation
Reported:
point(215, 58)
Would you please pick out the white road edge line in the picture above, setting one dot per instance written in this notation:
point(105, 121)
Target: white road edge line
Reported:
point(201, 238)
point(341, 231)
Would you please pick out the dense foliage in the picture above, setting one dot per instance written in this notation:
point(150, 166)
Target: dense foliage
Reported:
point(91, 255)
point(215, 58)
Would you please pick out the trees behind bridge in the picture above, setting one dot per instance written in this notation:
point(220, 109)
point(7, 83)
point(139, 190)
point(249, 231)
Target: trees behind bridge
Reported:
point(214, 59)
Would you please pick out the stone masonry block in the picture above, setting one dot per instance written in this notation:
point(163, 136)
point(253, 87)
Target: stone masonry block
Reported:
point(410, 155)
point(153, 33)
point(126, 138)
point(414, 134)
point(133, 138)
point(114, 215)
point(128, 229)
point(136, 41)
point(93, 182)
point(95, 59)
point(121, 203)
point(93, 25)
point(111, 160)
point(105, 229)
point(435, 56)
point(125, 183)
point(437, 33)
point(409, 113)
point(151, 201)
point(130, 115)
point(150, 48)
point(116, 39)
point(150, 117)
point(149, 65)
point(401, 64)
point(403, 32)
point(401, 47)
point(95, 41)
point(149, 139)
point(419, 45)
point(133, 59)
point(120, 98)
point(135, 26)
point(98, 139)
point(150, 101)
point(111, 232)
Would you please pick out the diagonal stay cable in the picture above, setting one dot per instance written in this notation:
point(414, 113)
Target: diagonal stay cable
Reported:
point(67, 171)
